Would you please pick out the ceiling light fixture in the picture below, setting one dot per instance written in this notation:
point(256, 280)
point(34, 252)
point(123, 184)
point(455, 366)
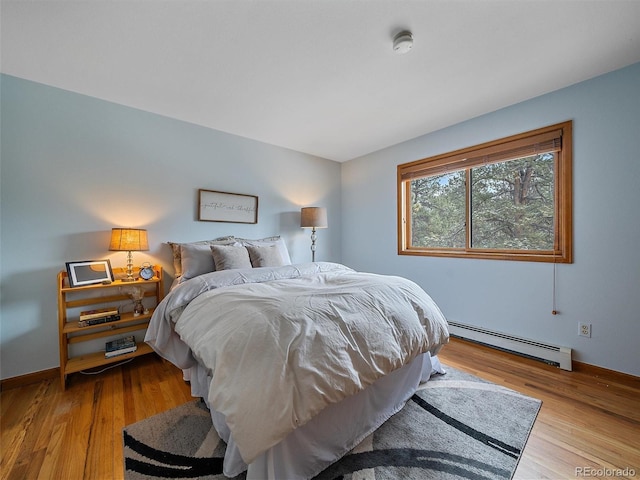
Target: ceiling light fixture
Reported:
point(403, 42)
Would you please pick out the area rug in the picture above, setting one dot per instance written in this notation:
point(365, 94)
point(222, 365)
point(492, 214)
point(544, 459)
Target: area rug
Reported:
point(456, 426)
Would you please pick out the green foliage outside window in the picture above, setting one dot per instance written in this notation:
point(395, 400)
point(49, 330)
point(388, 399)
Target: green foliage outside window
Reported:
point(506, 199)
point(437, 211)
point(511, 206)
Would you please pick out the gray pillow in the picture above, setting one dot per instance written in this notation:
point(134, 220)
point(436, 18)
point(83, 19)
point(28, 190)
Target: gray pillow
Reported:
point(229, 257)
point(176, 249)
point(276, 240)
point(265, 256)
point(196, 260)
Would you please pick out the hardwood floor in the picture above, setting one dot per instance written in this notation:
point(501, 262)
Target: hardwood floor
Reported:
point(589, 420)
point(76, 434)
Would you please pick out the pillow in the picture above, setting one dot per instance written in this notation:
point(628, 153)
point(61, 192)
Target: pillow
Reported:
point(229, 257)
point(275, 238)
point(177, 251)
point(265, 256)
point(196, 260)
point(277, 241)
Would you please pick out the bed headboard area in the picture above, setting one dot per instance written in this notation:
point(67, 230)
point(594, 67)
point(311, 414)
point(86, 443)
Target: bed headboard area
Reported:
point(197, 258)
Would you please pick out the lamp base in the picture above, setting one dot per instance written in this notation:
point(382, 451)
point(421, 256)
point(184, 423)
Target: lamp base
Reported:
point(129, 277)
point(313, 244)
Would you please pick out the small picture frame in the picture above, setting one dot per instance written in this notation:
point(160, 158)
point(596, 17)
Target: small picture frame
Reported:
point(227, 207)
point(88, 272)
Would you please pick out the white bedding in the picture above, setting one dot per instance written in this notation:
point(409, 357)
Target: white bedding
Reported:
point(328, 436)
point(301, 338)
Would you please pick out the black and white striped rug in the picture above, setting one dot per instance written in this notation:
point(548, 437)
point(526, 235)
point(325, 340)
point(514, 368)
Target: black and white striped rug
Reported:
point(456, 427)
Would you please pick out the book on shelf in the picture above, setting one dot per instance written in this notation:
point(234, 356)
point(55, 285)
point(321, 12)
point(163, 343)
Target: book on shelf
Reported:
point(120, 346)
point(98, 312)
point(97, 321)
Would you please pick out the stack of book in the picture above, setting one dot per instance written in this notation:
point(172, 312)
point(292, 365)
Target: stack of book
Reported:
point(120, 346)
point(97, 316)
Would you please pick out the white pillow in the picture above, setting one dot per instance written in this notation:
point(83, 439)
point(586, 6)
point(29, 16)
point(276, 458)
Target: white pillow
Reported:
point(229, 257)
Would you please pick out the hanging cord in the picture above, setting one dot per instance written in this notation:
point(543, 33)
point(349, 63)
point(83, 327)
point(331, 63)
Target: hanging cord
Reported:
point(554, 311)
point(107, 368)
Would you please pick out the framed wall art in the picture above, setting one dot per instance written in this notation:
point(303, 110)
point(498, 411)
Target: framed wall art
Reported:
point(227, 207)
point(88, 272)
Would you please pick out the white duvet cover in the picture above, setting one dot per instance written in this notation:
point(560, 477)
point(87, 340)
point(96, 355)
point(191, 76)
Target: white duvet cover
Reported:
point(281, 344)
point(328, 436)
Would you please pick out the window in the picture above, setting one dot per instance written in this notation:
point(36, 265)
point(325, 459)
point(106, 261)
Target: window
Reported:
point(509, 199)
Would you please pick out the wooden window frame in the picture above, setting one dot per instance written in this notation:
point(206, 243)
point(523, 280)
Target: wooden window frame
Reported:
point(556, 138)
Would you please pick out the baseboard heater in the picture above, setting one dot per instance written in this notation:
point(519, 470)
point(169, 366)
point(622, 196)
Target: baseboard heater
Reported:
point(551, 354)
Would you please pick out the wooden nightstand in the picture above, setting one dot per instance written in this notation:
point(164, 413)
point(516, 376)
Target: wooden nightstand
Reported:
point(72, 300)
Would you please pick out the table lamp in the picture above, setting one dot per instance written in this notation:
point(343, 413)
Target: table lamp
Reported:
point(129, 240)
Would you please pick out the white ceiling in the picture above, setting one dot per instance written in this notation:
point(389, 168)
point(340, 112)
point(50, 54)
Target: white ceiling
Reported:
point(317, 76)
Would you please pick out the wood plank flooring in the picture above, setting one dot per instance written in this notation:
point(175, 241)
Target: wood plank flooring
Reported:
point(589, 420)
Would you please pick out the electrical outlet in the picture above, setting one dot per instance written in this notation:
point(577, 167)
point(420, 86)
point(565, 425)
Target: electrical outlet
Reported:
point(584, 329)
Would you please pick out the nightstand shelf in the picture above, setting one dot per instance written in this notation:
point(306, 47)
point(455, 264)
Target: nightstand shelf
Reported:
point(105, 329)
point(70, 303)
point(97, 359)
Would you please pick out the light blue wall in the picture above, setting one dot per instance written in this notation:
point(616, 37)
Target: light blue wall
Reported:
point(73, 167)
point(601, 287)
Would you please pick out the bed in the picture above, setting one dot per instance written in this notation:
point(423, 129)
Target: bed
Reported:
point(297, 363)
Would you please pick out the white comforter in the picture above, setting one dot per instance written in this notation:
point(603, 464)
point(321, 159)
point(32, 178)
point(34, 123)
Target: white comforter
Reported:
point(283, 343)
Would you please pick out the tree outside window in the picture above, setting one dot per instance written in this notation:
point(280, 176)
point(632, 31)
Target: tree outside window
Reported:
point(507, 199)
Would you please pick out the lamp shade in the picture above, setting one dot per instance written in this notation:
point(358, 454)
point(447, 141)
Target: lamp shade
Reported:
point(313, 217)
point(129, 239)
